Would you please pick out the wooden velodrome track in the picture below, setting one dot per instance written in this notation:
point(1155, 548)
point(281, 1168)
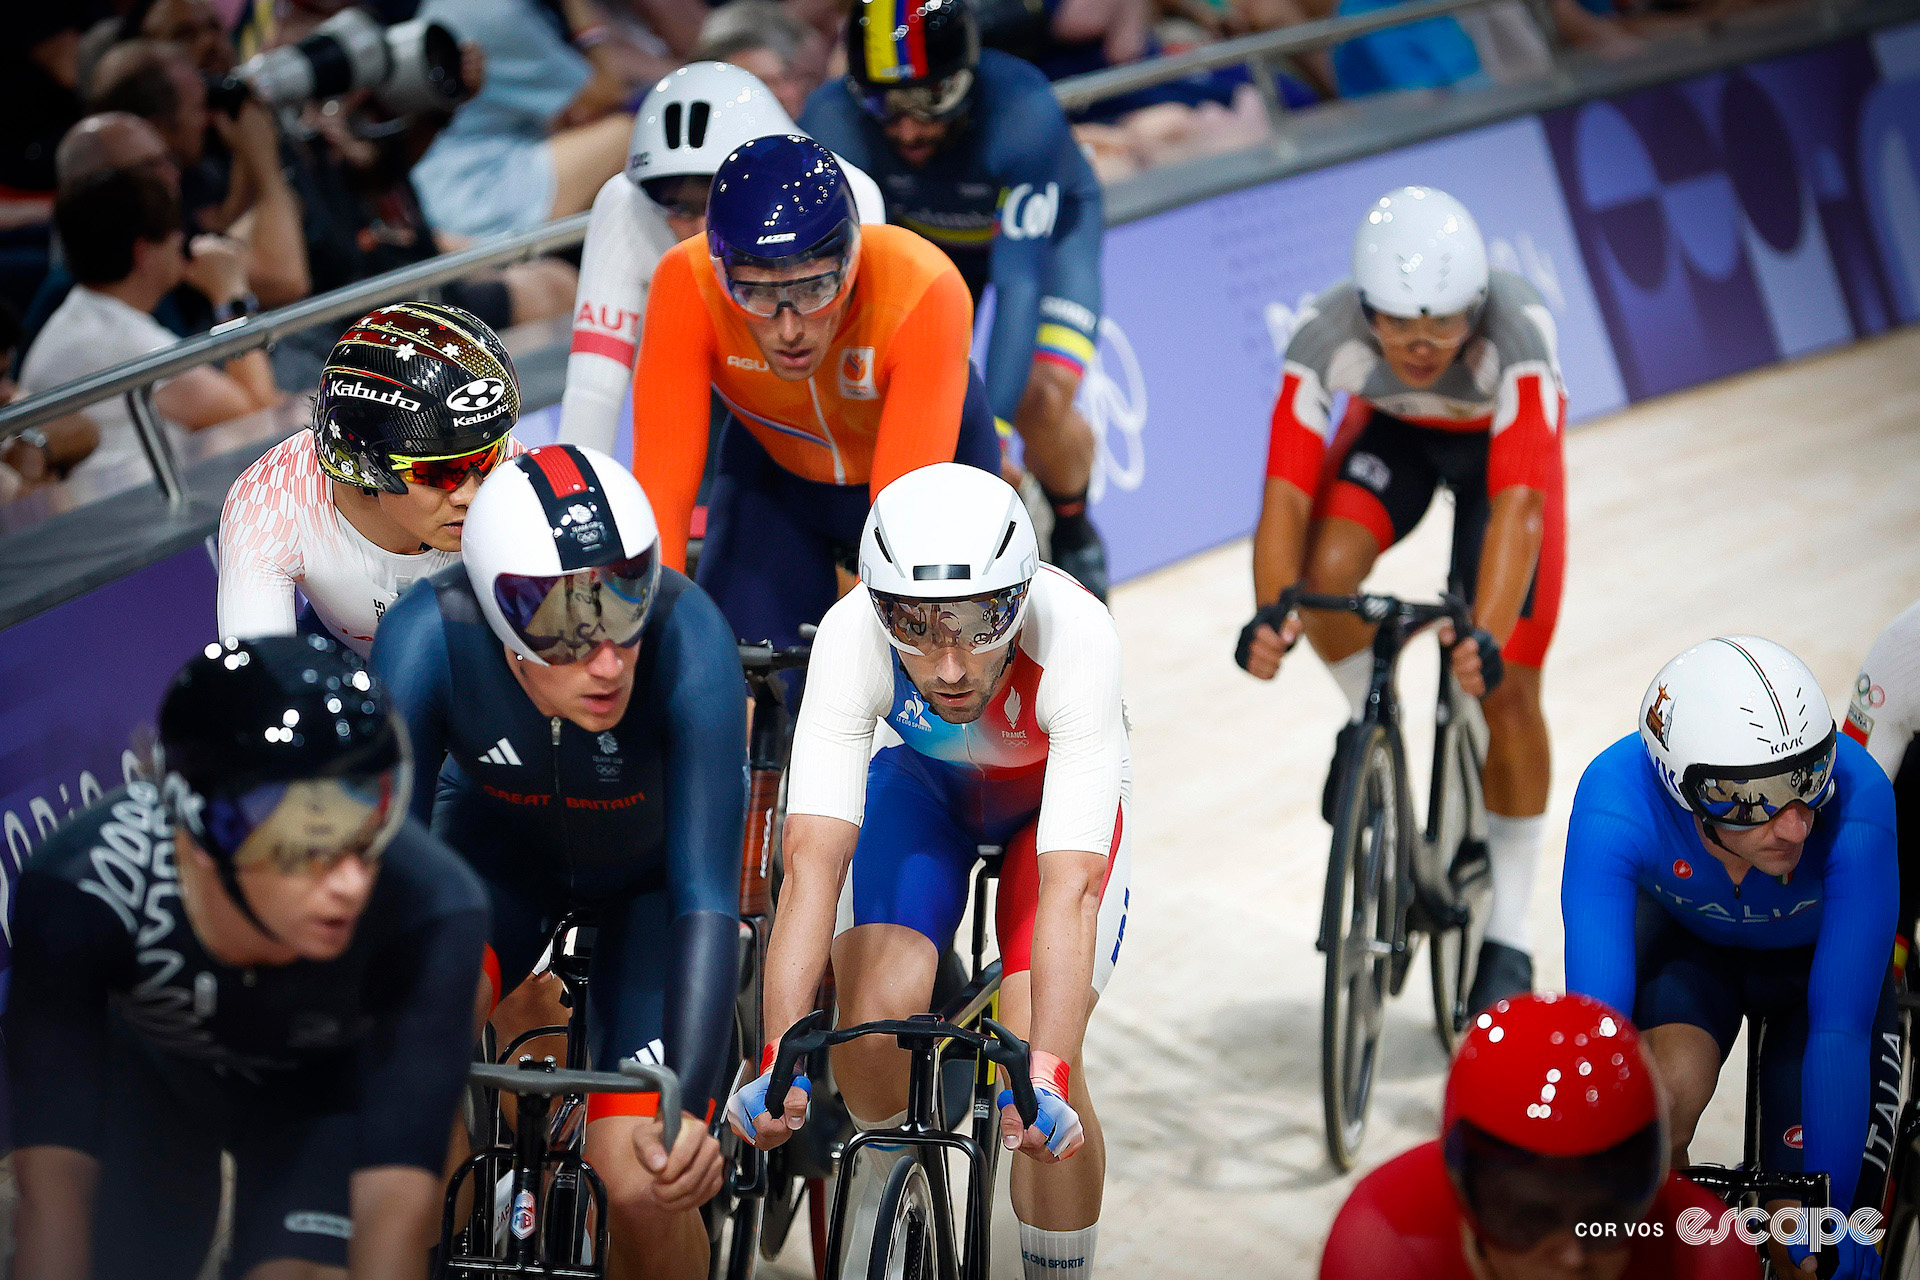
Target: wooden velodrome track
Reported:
point(1785, 503)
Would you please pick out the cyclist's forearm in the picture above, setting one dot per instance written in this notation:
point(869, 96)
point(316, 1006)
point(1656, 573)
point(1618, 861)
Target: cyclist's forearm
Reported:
point(1065, 925)
point(1507, 559)
point(395, 1209)
point(817, 852)
point(1279, 540)
point(53, 1224)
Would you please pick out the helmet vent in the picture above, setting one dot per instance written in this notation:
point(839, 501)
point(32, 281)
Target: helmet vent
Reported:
point(697, 116)
point(1004, 542)
point(882, 544)
point(671, 118)
point(941, 572)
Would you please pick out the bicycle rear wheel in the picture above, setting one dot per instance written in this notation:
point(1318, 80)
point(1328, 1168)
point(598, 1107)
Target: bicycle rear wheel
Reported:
point(1458, 831)
point(906, 1244)
point(1357, 930)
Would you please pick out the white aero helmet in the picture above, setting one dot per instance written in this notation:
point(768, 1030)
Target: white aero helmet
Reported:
point(947, 555)
point(694, 116)
point(563, 554)
point(1738, 729)
point(1419, 253)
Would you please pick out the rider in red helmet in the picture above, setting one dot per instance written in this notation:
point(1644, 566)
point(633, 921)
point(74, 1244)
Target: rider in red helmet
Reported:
point(1552, 1162)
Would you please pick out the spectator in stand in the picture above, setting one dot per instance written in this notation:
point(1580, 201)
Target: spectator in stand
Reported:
point(191, 24)
point(114, 140)
point(248, 197)
point(45, 453)
point(764, 38)
point(544, 133)
point(38, 99)
point(122, 232)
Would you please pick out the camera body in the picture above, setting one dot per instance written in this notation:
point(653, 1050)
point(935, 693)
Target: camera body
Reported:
point(411, 67)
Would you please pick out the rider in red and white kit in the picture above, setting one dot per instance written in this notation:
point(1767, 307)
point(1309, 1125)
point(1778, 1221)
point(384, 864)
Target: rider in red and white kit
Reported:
point(1447, 374)
point(416, 405)
point(687, 125)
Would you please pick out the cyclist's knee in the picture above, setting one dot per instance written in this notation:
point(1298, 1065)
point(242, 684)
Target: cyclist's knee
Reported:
point(1513, 710)
point(1341, 555)
point(1048, 399)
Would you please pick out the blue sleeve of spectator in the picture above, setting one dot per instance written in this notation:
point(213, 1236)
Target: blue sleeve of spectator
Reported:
point(1599, 888)
point(1850, 962)
point(410, 659)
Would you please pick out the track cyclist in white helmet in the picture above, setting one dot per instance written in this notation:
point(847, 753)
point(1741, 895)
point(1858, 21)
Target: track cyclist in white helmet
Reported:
point(686, 126)
point(1451, 378)
point(1736, 858)
point(997, 680)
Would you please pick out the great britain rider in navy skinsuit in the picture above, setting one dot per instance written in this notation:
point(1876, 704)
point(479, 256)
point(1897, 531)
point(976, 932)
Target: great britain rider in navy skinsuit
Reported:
point(972, 151)
point(635, 814)
point(1737, 730)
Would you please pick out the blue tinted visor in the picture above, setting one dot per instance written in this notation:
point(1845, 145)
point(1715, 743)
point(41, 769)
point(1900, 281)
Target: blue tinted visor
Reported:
point(1752, 795)
point(564, 618)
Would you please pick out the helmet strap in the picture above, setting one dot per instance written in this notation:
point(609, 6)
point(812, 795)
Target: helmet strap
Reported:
point(230, 881)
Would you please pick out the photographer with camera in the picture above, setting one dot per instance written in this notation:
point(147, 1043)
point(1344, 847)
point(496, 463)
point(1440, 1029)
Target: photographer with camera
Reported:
point(238, 189)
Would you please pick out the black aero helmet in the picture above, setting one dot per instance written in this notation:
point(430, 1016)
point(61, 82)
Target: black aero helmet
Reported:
point(412, 381)
point(282, 748)
point(912, 57)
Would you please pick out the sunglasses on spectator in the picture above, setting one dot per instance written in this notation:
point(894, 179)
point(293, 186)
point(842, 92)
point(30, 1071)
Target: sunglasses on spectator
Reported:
point(927, 102)
point(449, 473)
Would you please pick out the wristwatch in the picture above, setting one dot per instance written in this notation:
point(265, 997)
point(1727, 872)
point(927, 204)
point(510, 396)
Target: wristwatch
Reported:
point(245, 307)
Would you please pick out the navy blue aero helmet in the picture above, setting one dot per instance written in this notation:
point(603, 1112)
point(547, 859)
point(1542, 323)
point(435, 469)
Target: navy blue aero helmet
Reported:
point(782, 202)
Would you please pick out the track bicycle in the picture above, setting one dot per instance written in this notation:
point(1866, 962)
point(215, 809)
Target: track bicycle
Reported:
point(954, 1051)
point(556, 1223)
point(1390, 882)
point(1752, 1184)
point(732, 1216)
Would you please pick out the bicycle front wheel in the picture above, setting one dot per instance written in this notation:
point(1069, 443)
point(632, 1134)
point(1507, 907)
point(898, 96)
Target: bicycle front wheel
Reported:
point(1357, 931)
point(905, 1240)
point(1459, 846)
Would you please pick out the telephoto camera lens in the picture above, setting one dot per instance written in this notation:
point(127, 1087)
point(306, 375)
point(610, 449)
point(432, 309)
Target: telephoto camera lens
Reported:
point(413, 67)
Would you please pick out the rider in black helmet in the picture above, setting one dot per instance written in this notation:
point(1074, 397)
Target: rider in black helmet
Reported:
point(260, 955)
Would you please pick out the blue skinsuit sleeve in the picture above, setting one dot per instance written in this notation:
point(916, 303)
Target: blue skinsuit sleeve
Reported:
point(410, 658)
point(831, 119)
point(706, 782)
point(1850, 963)
point(1598, 892)
point(1042, 147)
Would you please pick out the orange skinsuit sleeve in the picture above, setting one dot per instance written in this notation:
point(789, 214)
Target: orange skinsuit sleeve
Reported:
point(927, 384)
point(671, 388)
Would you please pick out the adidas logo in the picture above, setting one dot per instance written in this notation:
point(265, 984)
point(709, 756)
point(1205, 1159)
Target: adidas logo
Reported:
point(502, 753)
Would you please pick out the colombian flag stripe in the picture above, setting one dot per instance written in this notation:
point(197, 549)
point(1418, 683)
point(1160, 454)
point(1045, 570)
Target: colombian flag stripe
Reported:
point(896, 48)
point(1066, 341)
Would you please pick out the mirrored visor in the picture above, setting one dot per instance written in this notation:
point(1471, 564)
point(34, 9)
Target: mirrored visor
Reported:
point(937, 100)
point(292, 827)
point(564, 618)
point(976, 623)
point(1751, 797)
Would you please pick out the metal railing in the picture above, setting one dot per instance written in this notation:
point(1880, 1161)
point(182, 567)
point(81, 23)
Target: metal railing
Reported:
point(134, 380)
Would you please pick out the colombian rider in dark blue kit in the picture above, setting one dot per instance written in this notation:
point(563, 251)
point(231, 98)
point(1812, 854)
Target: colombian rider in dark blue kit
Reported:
point(972, 151)
point(1740, 859)
point(589, 710)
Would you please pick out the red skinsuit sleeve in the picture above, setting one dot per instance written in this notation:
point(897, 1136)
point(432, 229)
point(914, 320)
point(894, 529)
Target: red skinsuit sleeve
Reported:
point(1529, 423)
point(670, 402)
point(927, 382)
point(1297, 445)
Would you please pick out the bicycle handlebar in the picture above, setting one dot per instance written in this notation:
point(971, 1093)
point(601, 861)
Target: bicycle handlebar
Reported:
point(532, 1079)
point(1373, 608)
point(1001, 1047)
point(764, 659)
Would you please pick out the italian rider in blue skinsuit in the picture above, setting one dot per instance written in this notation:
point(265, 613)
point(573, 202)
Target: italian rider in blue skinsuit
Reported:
point(1740, 860)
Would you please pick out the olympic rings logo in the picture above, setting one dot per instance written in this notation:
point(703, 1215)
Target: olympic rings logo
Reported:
point(1113, 399)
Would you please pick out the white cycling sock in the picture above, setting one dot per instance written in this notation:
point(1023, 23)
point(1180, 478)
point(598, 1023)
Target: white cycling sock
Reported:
point(1513, 850)
point(1353, 674)
point(880, 1157)
point(1048, 1255)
